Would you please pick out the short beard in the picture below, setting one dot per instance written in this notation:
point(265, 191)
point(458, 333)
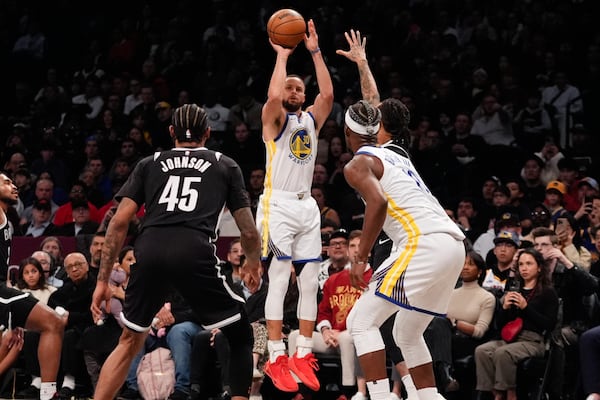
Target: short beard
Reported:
point(291, 107)
point(9, 201)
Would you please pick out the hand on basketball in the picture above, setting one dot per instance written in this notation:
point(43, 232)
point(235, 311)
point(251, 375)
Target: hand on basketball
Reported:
point(357, 44)
point(280, 49)
point(311, 41)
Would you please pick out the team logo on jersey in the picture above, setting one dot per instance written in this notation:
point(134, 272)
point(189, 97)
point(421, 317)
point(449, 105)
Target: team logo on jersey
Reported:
point(300, 144)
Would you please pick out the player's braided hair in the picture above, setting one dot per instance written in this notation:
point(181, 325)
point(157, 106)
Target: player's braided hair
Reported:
point(366, 115)
point(190, 123)
point(395, 118)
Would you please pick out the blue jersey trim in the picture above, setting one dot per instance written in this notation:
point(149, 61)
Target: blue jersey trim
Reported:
point(409, 307)
point(287, 118)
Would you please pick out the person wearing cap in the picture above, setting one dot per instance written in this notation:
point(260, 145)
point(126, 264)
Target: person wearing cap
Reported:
point(41, 224)
point(82, 223)
point(505, 220)
point(496, 277)
point(182, 219)
point(338, 256)
point(287, 216)
point(44, 189)
point(396, 198)
point(64, 214)
point(587, 189)
point(338, 298)
point(555, 192)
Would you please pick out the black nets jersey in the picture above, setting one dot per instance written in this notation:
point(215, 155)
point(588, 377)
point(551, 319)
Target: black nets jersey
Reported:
point(186, 187)
point(5, 239)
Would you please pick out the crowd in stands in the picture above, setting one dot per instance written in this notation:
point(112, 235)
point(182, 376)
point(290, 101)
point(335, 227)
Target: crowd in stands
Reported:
point(503, 130)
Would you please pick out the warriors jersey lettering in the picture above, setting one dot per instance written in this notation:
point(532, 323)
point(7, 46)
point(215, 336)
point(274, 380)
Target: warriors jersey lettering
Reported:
point(292, 155)
point(186, 187)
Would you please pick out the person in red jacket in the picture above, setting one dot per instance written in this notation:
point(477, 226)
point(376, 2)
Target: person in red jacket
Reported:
point(332, 336)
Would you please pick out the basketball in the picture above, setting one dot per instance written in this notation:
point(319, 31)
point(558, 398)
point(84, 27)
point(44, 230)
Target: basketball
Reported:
point(286, 27)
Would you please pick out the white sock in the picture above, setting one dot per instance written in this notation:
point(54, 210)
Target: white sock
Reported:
point(429, 393)
point(379, 390)
point(47, 390)
point(304, 346)
point(409, 386)
point(36, 381)
point(69, 381)
point(276, 349)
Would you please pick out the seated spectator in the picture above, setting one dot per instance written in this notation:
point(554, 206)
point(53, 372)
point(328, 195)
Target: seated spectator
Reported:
point(574, 285)
point(338, 256)
point(495, 279)
point(569, 239)
point(64, 214)
point(40, 224)
point(332, 336)
point(82, 223)
point(469, 219)
point(469, 318)
point(504, 221)
point(176, 328)
point(75, 296)
point(232, 267)
point(555, 190)
point(31, 279)
point(47, 263)
point(44, 190)
point(53, 246)
point(536, 303)
point(531, 172)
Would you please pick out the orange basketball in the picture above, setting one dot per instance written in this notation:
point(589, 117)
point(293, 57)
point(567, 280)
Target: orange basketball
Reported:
point(286, 27)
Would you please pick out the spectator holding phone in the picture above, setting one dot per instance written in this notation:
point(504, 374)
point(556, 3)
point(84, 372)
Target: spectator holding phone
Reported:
point(532, 298)
point(570, 242)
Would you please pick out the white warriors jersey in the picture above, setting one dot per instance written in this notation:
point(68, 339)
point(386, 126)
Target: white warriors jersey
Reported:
point(412, 209)
point(291, 155)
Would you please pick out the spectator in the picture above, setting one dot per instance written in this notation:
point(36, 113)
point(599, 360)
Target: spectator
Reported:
point(589, 353)
point(492, 122)
point(318, 193)
point(41, 224)
point(74, 296)
point(338, 256)
point(555, 191)
point(44, 190)
point(47, 263)
point(244, 147)
point(82, 223)
point(572, 284)
point(332, 335)
point(557, 99)
point(532, 123)
point(570, 242)
point(531, 172)
point(536, 303)
point(77, 194)
point(495, 279)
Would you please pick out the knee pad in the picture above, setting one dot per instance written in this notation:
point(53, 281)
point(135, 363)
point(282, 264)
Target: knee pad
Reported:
point(367, 341)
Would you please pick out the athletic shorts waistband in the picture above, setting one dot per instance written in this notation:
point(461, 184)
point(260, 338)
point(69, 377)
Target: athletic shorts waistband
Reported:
point(283, 194)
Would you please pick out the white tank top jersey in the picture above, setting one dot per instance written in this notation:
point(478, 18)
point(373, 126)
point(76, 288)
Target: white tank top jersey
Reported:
point(412, 209)
point(291, 155)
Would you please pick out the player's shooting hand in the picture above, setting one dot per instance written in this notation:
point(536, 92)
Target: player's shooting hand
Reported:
point(357, 275)
point(357, 45)
point(102, 294)
point(311, 41)
point(280, 49)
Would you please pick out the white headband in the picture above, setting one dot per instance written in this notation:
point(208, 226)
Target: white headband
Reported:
point(369, 130)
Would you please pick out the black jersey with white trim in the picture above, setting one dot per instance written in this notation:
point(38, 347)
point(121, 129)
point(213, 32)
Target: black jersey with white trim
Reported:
point(186, 187)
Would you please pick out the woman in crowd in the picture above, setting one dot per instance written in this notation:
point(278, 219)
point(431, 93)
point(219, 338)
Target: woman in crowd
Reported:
point(534, 300)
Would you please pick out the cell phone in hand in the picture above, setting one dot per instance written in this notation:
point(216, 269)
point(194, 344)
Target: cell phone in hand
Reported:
point(514, 286)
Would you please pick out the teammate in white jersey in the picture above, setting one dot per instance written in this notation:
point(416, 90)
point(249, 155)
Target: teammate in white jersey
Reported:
point(411, 282)
point(287, 216)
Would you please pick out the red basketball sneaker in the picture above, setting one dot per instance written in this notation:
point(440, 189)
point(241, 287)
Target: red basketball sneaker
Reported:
point(279, 372)
point(305, 368)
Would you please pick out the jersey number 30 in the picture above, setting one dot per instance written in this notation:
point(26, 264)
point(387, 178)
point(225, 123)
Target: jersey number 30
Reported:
point(180, 194)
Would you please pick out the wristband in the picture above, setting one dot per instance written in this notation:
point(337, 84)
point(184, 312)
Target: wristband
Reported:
point(361, 262)
point(315, 51)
